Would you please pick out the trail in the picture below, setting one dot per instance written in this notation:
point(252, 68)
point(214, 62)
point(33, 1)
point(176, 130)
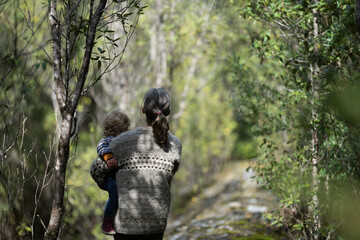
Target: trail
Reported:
point(231, 208)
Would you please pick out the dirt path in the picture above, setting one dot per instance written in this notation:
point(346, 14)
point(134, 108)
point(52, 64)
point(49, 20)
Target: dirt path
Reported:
point(230, 209)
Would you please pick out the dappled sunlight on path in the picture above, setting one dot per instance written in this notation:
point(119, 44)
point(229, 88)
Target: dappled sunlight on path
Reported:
point(231, 207)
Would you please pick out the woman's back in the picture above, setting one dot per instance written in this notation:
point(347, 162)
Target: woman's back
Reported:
point(143, 180)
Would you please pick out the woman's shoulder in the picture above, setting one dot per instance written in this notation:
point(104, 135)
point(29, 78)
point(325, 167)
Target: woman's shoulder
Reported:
point(174, 139)
point(125, 137)
point(142, 139)
point(135, 132)
point(175, 143)
point(141, 131)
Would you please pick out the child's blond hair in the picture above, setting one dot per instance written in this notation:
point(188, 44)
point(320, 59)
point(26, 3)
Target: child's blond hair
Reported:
point(116, 122)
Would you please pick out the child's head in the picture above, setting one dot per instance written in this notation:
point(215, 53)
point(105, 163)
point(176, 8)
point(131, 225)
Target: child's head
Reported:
point(115, 123)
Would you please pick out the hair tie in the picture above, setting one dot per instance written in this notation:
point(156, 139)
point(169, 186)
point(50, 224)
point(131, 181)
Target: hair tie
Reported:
point(159, 112)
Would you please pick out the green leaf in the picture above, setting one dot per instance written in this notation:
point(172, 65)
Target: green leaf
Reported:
point(127, 14)
point(110, 39)
point(100, 50)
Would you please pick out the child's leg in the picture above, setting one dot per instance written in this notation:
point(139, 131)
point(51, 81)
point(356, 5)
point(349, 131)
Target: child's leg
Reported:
point(112, 202)
point(110, 207)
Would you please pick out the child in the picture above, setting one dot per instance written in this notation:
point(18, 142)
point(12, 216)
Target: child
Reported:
point(115, 123)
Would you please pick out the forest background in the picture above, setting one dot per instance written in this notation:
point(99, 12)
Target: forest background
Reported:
point(272, 81)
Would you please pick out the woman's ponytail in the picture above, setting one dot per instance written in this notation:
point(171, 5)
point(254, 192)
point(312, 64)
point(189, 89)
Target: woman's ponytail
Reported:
point(156, 107)
point(160, 129)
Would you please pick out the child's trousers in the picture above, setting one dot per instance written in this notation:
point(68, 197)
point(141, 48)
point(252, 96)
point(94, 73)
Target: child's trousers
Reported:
point(112, 202)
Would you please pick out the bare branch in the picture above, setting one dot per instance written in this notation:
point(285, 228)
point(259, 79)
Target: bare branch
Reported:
point(117, 56)
point(87, 55)
point(41, 185)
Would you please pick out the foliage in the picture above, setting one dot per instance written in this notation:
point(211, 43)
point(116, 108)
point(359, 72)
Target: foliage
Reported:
point(301, 108)
point(25, 165)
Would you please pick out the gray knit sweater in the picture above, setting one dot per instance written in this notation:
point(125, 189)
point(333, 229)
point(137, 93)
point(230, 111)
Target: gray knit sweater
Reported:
point(143, 180)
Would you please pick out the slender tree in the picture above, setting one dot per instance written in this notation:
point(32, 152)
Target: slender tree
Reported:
point(315, 88)
point(71, 27)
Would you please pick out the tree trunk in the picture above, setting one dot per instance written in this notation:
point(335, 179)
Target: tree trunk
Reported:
point(158, 46)
point(314, 68)
point(60, 170)
point(357, 13)
point(67, 105)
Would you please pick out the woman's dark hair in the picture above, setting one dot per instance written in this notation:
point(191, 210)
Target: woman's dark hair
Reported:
point(156, 107)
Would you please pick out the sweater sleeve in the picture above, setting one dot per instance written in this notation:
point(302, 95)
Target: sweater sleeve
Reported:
point(103, 148)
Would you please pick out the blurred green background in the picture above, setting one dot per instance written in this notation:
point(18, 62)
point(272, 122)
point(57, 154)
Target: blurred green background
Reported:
point(249, 80)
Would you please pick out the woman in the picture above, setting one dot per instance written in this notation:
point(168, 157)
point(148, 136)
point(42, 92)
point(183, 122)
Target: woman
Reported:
point(148, 157)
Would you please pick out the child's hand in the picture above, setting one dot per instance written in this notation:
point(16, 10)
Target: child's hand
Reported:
point(112, 163)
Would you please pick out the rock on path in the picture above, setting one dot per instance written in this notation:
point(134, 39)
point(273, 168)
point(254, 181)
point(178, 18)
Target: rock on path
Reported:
point(230, 209)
